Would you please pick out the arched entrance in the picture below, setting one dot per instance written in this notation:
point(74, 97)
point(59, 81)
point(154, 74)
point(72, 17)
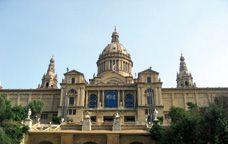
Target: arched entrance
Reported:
point(45, 142)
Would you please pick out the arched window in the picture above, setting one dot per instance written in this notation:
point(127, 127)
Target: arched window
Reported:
point(186, 83)
point(92, 101)
point(148, 80)
point(72, 92)
point(111, 99)
point(73, 80)
point(47, 84)
point(129, 101)
point(149, 94)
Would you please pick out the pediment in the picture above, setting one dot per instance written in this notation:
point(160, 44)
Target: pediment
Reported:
point(73, 72)
point(112, 78)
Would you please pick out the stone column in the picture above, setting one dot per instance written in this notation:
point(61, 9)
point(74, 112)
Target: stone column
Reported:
point(139, 94)
point(79, 96)
point(82, 96)
point(61, 97)
point(123, 98)
point(103, 103)
point(98, 98)
point(87, 97)
point(118, 98)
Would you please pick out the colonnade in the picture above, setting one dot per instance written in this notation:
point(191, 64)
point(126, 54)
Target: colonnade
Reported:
point(115, 65)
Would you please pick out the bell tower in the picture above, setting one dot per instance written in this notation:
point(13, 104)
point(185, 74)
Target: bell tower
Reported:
point(184, 78)
point(49, 80)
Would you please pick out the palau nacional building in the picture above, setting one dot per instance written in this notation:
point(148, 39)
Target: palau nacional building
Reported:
point(111, 108)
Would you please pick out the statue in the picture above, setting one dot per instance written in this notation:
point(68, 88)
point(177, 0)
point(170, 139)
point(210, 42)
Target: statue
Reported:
point(155, 115)
point(100, 104)
point(116, 123)
point(116, 115)
point(87, 115)
point(86, 123)
point(28, 121)
point(29, 113)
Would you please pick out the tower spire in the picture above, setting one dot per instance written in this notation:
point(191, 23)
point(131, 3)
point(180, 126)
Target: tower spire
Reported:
point(184, 78)
point(49, 79)
point(115, 36)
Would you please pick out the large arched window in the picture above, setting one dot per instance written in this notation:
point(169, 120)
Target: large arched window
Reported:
point(92, 101)
point(111, 99)
point(129, 101)
point(149, 94)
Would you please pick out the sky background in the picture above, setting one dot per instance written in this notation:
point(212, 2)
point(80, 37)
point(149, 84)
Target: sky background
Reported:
point(155, 32)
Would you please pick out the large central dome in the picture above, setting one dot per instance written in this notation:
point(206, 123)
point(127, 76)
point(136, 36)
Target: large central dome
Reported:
point(115, 46)
point(115, 58)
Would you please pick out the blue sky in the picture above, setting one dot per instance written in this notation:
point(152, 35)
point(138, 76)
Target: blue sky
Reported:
point(75, 32)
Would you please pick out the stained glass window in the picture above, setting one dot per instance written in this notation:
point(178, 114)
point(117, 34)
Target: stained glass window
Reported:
point(129, 101)
point(92, 101)
point(111, 98)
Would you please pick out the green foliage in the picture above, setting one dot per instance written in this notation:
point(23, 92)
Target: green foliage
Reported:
point(198, 125)
point(14, 130)
point(4, 139)
point(56, 120)
point(5, 109)
point(19, 113)
point(160, 119)
point(157, 132)
point(11, 129)
point(36, 107)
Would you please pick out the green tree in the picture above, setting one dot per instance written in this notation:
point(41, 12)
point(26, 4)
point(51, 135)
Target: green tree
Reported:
point(19, 113)
point(199, 125)
point(11, 129)
point(36, 107)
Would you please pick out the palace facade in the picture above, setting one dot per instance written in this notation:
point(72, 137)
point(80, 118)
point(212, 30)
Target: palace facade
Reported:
point(112, 90)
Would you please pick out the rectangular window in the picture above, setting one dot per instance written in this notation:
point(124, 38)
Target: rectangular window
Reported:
point(108, 118)
point(73, 80)
point(44, 116)
point(71, 100)
point(74, 112)
point(146, 111)
point(71, 111)
point(129, 118)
